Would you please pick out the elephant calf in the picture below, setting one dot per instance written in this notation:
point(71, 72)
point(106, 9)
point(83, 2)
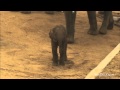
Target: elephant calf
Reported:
point(58, 37)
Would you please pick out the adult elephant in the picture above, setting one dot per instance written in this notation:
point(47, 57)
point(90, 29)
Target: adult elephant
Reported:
point(70, 17)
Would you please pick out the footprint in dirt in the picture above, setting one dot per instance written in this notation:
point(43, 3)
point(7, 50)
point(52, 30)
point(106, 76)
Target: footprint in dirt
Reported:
point(69, 64)
point(81, 64)
point(8, 33)
point(3, 43)
point(84, 62)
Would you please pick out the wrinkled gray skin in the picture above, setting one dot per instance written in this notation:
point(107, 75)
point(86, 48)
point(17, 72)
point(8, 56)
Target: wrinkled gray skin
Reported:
point(107, 23)
point(58, 37)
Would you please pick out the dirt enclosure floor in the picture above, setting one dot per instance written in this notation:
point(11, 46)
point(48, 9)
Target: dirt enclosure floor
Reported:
point(25, 48)
point(112, 70)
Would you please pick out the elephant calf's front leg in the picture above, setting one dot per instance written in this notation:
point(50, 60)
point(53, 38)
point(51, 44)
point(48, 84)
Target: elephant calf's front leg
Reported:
point(54, 52)
point(63, 56)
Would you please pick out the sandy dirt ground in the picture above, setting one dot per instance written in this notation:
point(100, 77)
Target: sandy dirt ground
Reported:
point(25, 48)
point(112, 70)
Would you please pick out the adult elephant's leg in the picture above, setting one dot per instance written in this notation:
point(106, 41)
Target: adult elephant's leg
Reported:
point(111, 22)
point(70, 25)
point(105, 23)
point(92, 22)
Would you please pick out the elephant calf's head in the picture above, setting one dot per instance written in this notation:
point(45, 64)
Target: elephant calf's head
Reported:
point(58, 33)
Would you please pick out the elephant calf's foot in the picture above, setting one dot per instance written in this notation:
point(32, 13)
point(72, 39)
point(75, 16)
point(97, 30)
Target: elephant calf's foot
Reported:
point(62, 63)
point(92, 32)
point(55, 63)
point(103, 31)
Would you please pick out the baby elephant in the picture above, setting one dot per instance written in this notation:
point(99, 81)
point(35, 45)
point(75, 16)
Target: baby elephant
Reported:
point(58, 37)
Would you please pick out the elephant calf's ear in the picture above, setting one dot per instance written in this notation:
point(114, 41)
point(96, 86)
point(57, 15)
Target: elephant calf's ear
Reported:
point(52, 35)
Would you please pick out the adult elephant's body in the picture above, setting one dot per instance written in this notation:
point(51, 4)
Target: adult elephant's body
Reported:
point(70, 23)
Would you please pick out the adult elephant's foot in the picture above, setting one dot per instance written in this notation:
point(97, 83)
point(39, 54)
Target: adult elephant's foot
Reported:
point(55, 62)
point(103, 31)
point(92, 32)
point(26, 12)
point(62, 63)
point(70, 39)
point(110, 26)
point(65, 59)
